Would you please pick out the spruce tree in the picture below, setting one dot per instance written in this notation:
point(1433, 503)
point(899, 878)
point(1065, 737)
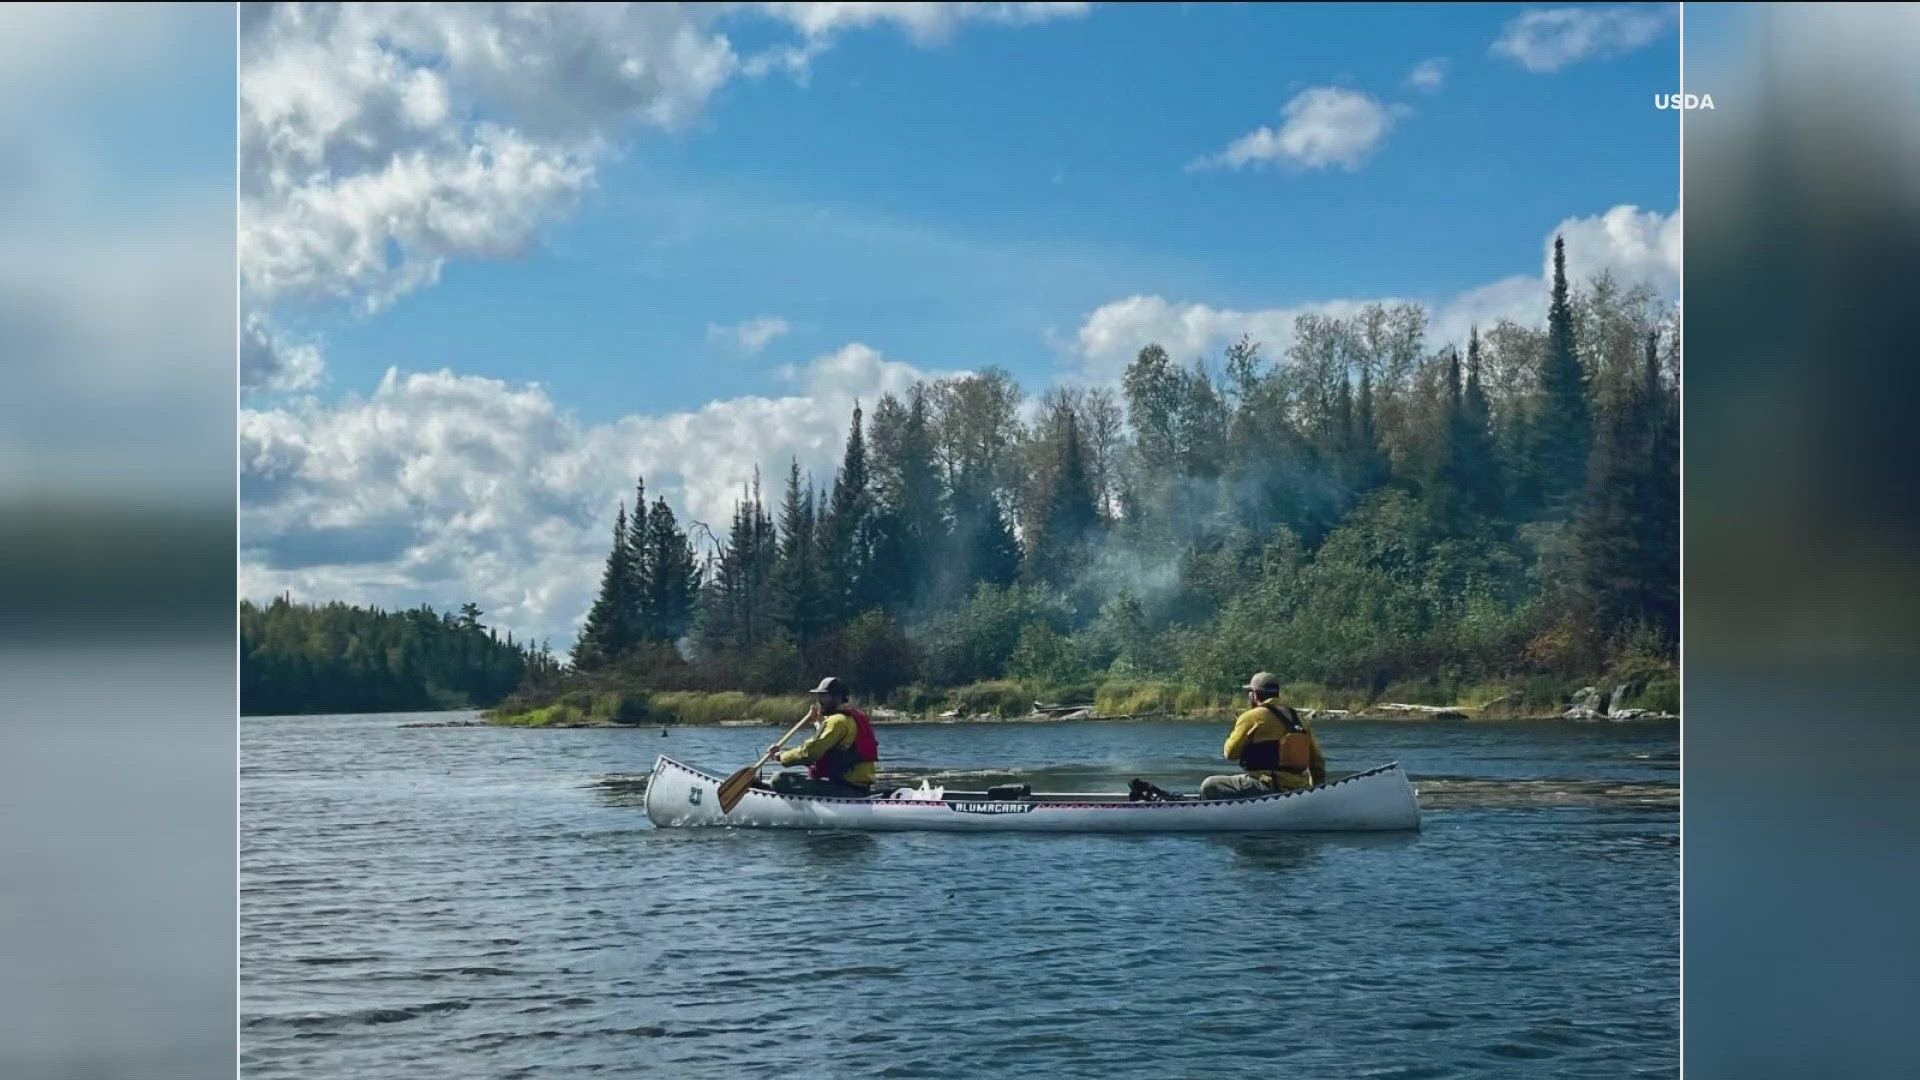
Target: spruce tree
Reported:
point(799, 607)
point(1445, 487)
point(1660, 508)
point(643, 619)
point(721, 620)
point(1369, 462)
point(673, 579)
point(1480, 451)
point(609, 629)
point(1560, 429)
point(1068, 516)
point(920, 494)
point(846, 532)
point(1619, 561)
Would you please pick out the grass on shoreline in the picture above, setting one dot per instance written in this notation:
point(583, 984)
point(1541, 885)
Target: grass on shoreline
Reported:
point(1647, 687)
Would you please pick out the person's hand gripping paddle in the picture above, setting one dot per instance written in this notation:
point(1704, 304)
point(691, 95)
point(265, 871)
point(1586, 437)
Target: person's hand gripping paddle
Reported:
point(734, 788)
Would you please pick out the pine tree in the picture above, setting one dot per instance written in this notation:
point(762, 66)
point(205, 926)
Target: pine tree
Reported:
point(1481, 466)
point(721, 627)
point(800, 601)
point(1068, 516)
point(1560, 429)
point(643, 619)
point(673, 579)
point(1661, 505)
point(1369, 462)
point(846, 532)
point(1446, 486)
point(609, 629)
point(920, 494)
point(1623, 567)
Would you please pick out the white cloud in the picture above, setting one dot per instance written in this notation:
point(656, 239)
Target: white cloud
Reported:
point(926, 24)
point(379, 141)
point(1325, 127)
point(1114, 333)
point(1635, 246)
point(751, 336)
point(1428, 76)
point(442, 487)
point(1544, 40)
point(270, 363)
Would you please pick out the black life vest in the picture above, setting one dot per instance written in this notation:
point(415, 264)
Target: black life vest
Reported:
point(834, 764)
point(1291, 752)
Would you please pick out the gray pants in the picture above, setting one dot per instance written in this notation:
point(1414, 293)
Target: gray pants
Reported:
point(793, 783)
point(1235, 786)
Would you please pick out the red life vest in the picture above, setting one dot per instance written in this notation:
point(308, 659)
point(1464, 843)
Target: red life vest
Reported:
point(833, 764)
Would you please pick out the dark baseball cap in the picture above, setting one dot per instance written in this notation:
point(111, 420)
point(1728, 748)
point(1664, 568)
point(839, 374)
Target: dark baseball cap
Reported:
point(830, 685)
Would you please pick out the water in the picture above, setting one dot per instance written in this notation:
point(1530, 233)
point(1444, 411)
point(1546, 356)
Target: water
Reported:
point(493, 902)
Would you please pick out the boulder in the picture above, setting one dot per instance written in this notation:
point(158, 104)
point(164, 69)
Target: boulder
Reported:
point(1620, 694)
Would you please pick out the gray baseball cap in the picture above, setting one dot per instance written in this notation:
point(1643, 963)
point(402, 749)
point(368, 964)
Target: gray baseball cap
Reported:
point(1264, 681)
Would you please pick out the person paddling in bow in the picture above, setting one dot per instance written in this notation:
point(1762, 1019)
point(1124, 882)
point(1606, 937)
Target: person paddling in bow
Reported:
point(1276, 749)
point(842, 755)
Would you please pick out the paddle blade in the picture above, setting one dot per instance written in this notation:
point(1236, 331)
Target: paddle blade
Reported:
point(734, 788)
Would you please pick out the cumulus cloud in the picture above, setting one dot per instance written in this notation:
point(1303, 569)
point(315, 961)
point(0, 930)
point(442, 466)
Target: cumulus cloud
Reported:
point(1428, 76)
point(269, 362)
point(1545, 40)
point(440, 487)
point(927, 24)
point(1114, 333)
point(380, 141)
point(748, 337)
point(1325, 127)
point(1635, 246)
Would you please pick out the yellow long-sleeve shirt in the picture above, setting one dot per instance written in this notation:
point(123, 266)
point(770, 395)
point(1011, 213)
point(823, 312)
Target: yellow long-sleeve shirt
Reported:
point(837, 731)
point(1257, 725)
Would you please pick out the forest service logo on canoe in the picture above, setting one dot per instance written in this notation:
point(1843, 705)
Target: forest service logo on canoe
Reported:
point(990, 807)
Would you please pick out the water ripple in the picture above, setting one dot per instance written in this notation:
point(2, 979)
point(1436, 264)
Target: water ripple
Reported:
point(480, 902)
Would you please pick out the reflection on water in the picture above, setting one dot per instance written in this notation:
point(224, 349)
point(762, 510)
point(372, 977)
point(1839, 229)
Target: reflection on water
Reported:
point(486, 902)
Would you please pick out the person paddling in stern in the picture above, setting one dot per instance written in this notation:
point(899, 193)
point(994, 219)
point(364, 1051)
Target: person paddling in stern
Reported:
point(1276, 749)
point(842, 755)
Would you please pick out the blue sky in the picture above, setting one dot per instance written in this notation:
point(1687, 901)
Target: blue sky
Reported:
point(953, 205)
point(482, 287)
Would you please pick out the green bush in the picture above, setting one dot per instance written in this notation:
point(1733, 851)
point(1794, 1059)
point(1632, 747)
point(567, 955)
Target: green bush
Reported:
point(1662, 694)
point(622, 706)
point(920, 700)
point(999, 697)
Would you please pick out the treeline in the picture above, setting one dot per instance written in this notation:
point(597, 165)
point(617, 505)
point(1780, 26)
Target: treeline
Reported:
point(1366, 512)
point(333, 658)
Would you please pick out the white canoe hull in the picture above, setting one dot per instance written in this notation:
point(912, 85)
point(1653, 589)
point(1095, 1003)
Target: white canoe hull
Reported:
point(1377, 800)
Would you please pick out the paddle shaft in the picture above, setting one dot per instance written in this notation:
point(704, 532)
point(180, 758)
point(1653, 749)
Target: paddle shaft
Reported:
point(768, 756)
point(734, 788)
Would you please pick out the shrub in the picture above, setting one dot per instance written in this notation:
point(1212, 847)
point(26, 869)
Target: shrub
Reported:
point(622, 706)
point(999, 697)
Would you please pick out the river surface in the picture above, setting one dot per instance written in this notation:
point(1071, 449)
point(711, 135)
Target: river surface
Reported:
point(487, 902)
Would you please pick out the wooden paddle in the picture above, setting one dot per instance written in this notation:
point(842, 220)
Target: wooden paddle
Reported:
point(734, 788)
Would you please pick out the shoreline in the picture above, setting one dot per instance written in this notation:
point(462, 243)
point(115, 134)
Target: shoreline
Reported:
point(884, 718)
